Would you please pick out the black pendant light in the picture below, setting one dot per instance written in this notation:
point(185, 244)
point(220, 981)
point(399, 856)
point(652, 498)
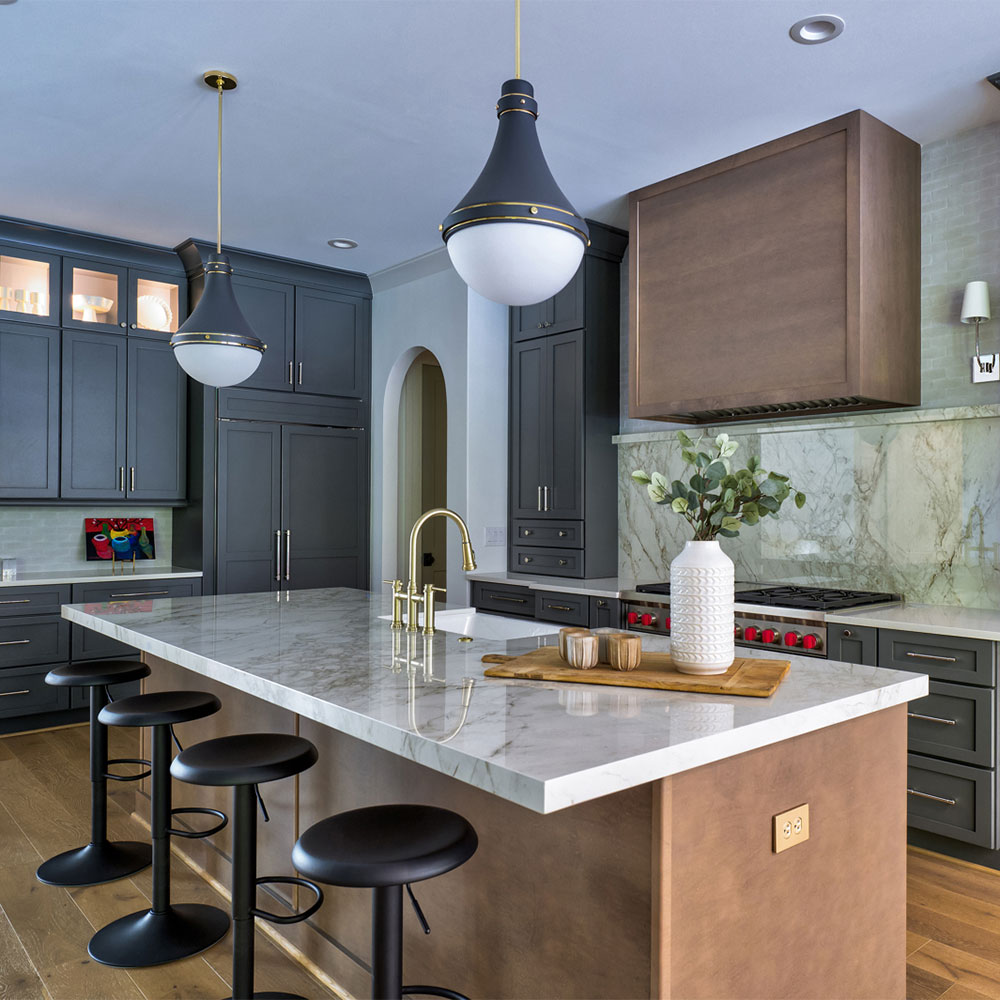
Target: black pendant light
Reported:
point(515, 238)
point(216, 345)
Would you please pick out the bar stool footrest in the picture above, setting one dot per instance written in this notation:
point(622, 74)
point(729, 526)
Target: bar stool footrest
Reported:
point(198, 834)
point(292, 918)
point(129, 777)
point(433, 991)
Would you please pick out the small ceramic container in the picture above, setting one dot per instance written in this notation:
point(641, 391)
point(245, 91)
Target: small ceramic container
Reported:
point(581, 650)
point(602, 642)
point(624, 651)
point(564, 633)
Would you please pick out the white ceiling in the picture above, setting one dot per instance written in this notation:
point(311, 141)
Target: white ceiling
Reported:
point(371, 118)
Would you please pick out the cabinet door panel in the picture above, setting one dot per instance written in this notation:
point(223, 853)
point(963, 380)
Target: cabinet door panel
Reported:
point(564, 400)
point(157, 422)
point(566, 306)
point(527, 414)
point(529, 321)
point(331, 343)
point(249, 507)
point(324, 506)
point(94, 296)
point(270, 309)
point(163, 307)
point(29, 412)
point(94, 385)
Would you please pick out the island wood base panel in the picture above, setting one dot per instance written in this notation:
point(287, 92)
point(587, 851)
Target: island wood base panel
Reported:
point(667, 890)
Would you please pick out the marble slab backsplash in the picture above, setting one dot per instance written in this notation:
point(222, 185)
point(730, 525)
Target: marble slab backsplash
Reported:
point(905, 502)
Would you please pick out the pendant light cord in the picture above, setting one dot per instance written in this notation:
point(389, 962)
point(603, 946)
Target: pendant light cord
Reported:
point(218, 188)
point(517, 39)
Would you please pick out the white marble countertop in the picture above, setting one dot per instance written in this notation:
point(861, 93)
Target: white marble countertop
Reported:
point(325, 654)
point(98, 572)
point(598, 587)
point(973, 623)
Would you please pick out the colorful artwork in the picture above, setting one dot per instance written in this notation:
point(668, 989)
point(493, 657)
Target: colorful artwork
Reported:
point(119, 538)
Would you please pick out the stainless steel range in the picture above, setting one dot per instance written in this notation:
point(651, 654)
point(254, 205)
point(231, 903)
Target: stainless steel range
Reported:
point(784, 615)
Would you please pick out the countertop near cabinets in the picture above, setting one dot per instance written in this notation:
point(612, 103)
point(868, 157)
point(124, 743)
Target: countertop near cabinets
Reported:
point(935, 619)
point(100, 572)
point(598, 587)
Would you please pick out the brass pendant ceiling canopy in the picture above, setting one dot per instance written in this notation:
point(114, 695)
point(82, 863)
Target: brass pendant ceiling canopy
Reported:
point(216, 345)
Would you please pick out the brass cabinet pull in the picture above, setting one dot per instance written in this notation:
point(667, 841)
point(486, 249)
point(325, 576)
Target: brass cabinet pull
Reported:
point(933, 798)
point(931, 656)
point(15, 642)
point(931, 718)
point(291, 365)
point(288, 553)
point(131, 478)
point(514, 600)
point(277, 555)
point(10, 694)
point(121, 478)
point(142, 593)
point(300, 373)
point(539, 499)
point(558, 607)
point(23, 600)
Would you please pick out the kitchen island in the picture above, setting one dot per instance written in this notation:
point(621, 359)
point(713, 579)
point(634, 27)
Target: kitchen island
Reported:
point(625, 836)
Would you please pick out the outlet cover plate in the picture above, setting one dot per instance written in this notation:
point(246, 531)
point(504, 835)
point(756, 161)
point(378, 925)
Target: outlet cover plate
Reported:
point(790, 828)
point(990, 371)
point(494, 537)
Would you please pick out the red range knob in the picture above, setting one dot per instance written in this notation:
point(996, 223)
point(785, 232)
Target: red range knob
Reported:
point(810, 641)
point(750, 633)
point(666, 624)
point(768, 635)
point(647, 619)
point(633, 617)
point(792, 638)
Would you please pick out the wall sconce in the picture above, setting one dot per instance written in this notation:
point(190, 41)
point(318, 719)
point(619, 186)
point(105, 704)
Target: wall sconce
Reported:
point(976, 309)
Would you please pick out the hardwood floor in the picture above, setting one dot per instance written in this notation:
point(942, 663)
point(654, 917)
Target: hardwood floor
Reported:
point(953, 908)
point(45, 809)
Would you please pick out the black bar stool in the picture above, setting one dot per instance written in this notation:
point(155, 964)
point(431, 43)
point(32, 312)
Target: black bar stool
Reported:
point(165, 932)
point(244, 762)
point(101, 860)
point(384, 848)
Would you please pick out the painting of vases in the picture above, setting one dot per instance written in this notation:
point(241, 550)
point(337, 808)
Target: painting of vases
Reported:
point(119, 538)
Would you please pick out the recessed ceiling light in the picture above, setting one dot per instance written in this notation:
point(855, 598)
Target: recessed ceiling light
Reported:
point(816, 29)
point(342, 243)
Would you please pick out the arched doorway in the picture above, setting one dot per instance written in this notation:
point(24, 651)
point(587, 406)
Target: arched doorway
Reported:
point(422, 468)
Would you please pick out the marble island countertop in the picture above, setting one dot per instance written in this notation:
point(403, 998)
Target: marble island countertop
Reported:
point(97, 572)
point(325, 655)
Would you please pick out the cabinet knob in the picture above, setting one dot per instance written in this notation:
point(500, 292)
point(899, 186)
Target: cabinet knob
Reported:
point(122, 325)
point(526, 532)
point(847, 633)
point(562, 562)
point(602, 604)
point(133, 326)
point(562, 534)
point(526, 559)
point(539, 326)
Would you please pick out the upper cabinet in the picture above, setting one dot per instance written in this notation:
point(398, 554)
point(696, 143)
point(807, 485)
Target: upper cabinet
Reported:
point(29, 285)
point(332, 349)
point(784, 279)
point(270, 308)
point(563, 312)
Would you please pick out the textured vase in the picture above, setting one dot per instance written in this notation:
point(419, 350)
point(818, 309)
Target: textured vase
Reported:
point(701, 610)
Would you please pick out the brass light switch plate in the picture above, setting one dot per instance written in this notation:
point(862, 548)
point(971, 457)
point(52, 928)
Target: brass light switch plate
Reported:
point(791, 828)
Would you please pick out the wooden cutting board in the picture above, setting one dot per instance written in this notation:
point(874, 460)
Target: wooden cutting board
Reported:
point(747, 677)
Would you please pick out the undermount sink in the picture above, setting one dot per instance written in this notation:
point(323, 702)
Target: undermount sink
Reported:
point(469, 621)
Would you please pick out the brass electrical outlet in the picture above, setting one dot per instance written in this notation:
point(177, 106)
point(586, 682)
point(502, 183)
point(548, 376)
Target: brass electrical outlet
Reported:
point(791, 828)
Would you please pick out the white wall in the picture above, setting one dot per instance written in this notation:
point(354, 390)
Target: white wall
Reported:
point(423, 305)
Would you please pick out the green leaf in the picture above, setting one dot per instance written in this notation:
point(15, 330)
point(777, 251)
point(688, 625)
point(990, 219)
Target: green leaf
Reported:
point(731, 523)
point(692, 498)
point(716, 518)
point(678, 488)
point(684, 440)
point(767, 504)
point(702, 460)
point(750, 508)
point(717, 470)
point(720, 441)
point(640, 477)
point(729, 449)
point(778, 475)
point(698, 484)
point(689, 456)
point(660, 482)
point(679, 505)
point(753, 463)
point(728, 533)
point(800, 500)
point(750, 518)
point(772, 487)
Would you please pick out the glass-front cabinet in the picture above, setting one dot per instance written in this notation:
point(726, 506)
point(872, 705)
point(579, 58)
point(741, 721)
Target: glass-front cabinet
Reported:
point(93, 296)
point(157, 303)
point(29, 283)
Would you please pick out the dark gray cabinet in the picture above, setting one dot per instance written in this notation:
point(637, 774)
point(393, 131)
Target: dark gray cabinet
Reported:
point(30, 276)
point(332, 352)
point(292, 507)
point(29, 412)
point(564, 311)
point(852, 644)
point(270, 308)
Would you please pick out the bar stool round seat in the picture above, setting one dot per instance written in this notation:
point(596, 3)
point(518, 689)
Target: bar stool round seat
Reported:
point(385, 848)
point(166, 931)
point(384, 845)
point(245, 759)
point(101, 860)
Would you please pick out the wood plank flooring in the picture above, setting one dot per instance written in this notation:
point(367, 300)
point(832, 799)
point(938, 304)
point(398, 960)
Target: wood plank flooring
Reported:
point(45, 809)
point(953, 908)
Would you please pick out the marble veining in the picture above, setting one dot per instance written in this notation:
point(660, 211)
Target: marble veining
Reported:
point(325, 655)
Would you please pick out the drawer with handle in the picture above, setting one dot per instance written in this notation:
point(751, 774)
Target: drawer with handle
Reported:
point(38, 600)
point(943, 657)
point(23, 691)
point(953, 800)
point(567, 609)
point(547, 561)
point(954, 721)
point(558, 534)
point(605, 612)
point(518, 601)
point(33, 639)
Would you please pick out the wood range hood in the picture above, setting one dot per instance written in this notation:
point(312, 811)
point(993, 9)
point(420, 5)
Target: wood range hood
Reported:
point(783, 280)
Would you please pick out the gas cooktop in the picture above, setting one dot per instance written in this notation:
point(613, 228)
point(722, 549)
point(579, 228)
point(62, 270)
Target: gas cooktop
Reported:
point(795, 597)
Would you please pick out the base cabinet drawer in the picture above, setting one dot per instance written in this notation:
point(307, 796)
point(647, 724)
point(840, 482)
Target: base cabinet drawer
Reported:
point(943, 657)
point(954, 721)
point(953, 800)
point(503, 600)
point(605, 612)
point(23, 691)
point(35, 639)
point(566, 609)
point(547, 561)
point(38, 600)
point(852, 644)
point(556, 534)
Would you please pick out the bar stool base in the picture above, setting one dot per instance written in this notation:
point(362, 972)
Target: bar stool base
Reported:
point(148, 938)
point(106, 861)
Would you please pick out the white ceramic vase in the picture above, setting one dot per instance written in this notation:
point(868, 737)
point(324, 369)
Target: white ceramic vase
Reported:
point(701, 609)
